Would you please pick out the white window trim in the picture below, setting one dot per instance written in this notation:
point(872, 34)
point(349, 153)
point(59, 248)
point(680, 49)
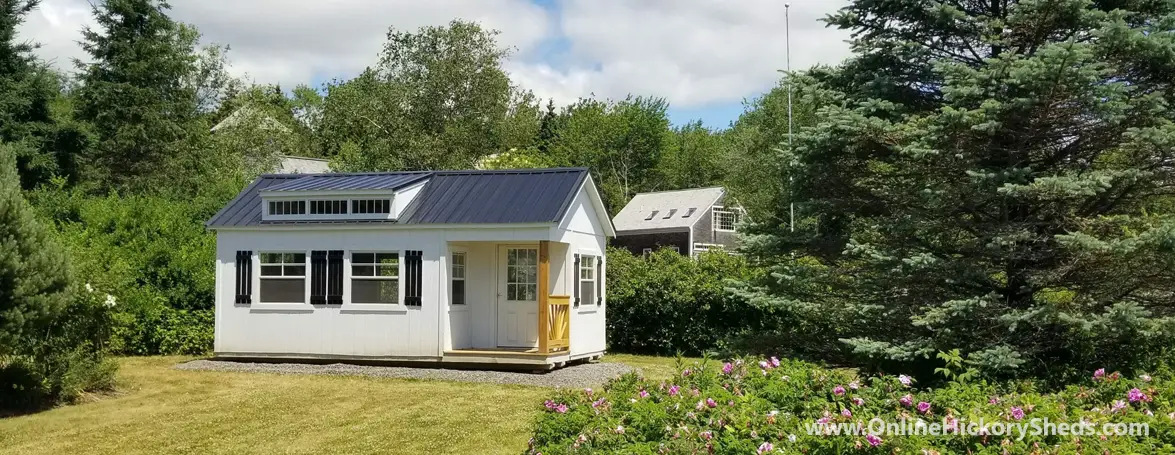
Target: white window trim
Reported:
point(453, 307)
point(258, 304)
point(350, 306)
point(589, 307)
point(714, 218)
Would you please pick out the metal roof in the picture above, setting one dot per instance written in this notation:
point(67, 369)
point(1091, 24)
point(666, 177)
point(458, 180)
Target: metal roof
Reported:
point(245, 209)
point(516, 196)
point(666, 209)
point(336, 182)
point(466, 197)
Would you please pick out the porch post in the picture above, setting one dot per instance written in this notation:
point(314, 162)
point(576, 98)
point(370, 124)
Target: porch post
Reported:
point(544, 294)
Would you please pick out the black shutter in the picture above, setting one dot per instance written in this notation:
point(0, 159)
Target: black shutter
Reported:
point(599, 280)
point(318, 277)
point(334, 280)
point(244, 277)
point(413, 284)
point(576, 285)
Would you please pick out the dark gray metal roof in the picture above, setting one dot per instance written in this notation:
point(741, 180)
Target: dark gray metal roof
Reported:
point(331, 182)
point(476, 197)
point(245, 209)
point(466, 197)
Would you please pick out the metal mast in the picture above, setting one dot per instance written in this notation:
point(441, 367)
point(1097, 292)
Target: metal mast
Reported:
point(787, 45)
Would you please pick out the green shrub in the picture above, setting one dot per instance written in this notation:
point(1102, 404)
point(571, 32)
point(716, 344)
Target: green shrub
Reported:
point(752, 406)
point(62, 358)
point(153, 253)
point(668, 303)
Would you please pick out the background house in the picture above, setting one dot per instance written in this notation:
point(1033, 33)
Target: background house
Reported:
point(269, 155)
point(687, 221)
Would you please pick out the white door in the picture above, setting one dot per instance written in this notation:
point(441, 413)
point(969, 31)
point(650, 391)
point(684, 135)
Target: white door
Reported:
point(518, 307)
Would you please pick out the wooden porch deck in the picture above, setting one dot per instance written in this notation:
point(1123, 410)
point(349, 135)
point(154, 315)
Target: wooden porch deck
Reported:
point(507, 356)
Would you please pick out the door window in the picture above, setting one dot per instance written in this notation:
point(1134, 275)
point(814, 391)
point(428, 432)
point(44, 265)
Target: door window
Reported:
point(522, 274)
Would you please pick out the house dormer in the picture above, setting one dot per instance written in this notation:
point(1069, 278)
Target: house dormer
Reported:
point(341, 197)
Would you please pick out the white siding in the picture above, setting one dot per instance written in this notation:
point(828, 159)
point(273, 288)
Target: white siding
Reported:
point(345, 330)
point(405, 197)
point(582, 231)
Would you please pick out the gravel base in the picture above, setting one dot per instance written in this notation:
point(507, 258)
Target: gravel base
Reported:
point(577, 376)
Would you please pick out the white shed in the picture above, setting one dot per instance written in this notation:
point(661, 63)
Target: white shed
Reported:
point(466, 267)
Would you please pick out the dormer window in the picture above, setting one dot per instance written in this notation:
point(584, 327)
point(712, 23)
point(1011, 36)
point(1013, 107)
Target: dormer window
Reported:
point(328, 207)
point(371, 206)
point(652, 215)
point(287, 207)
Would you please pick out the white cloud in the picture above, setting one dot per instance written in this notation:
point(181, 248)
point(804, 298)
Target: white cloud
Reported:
point(693, 52)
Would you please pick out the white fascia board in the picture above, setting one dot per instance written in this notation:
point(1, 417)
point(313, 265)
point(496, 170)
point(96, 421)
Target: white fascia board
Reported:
point(374, 226)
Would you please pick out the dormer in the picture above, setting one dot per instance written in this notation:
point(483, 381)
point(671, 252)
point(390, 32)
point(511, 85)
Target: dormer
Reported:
point(342, 197)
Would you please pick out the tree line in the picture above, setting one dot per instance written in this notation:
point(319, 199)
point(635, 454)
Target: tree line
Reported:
point(995, 178)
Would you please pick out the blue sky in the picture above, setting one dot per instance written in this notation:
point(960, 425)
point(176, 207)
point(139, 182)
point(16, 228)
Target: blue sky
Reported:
point(704, 56)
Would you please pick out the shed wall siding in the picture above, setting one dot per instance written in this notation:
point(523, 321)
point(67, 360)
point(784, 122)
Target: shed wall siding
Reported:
point(329, 330)
point(582, 233)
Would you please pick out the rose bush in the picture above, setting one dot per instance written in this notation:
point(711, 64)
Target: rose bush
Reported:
point(770, 406)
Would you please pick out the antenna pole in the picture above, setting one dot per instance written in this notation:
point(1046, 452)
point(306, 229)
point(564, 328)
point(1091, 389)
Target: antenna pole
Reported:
point(787, 46)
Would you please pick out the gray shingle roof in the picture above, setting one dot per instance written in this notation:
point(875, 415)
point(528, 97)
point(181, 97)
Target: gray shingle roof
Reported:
point(518, 196)
point(466, 197)
point(635, 215)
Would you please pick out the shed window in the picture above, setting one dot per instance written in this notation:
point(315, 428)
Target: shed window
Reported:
point(588, 274)
point(287, 207)
point(458, 278)
point(725, 220)
point(371, 206)
point(328, 207)
point(283, 278)
point(375, 278)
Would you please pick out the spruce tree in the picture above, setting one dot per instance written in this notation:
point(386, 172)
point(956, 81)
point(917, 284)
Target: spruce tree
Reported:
point(135, 90)
point(991, 176)
point(27, 88)
point(34, 277)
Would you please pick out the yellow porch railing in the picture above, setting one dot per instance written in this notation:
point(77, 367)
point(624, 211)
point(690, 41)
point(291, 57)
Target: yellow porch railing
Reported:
point(554, 310)
point(555, 324)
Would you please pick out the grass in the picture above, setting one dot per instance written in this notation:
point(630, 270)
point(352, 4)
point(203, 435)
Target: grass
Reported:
point(163, 410)
point(651, 367)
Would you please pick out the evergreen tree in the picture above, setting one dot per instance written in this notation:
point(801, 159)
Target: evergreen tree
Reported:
point(137, 91)
point(989, 176)
point(27, 90)
point(34, 276)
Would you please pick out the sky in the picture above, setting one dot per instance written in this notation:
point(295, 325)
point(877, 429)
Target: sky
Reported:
point(706, 57)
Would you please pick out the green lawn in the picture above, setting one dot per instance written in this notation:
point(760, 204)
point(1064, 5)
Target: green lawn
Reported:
point(163, 410)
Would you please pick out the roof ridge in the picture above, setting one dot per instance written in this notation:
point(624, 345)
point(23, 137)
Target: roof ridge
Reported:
point(719, 187)
point(345, 174)
point(544, 170)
